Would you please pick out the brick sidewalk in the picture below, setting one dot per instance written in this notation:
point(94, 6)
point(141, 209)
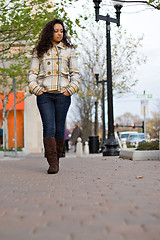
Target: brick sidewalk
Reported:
point(91, 198)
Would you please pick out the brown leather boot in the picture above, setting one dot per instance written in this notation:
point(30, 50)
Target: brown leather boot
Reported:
point(51, 154)
point(60, 144)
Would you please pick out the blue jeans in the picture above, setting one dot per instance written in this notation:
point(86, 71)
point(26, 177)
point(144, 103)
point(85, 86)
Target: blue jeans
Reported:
point(53, 109)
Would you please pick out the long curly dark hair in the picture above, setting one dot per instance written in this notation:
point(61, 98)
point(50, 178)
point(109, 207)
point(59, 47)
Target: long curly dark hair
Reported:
point(46, 37)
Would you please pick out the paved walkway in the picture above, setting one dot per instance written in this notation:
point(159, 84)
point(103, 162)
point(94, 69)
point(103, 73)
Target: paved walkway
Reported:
point(91, 198)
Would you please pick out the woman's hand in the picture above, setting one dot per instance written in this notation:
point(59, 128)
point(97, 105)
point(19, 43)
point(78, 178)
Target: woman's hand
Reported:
point(41, 92)
point(65, 92)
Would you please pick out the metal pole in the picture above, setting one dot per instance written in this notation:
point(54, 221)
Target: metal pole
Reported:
point(96, 118)
point(103, 114)
point(159, 145)
point(144, 121)
point(111, 146)
point(144, 116)
point(15, 123)
point(5, 133)
point(109, 85)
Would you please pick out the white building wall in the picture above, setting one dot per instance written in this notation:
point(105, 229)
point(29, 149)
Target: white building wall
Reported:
point(33, 135)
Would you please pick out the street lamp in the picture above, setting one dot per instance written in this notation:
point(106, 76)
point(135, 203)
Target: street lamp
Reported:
point(96, 72)
point(111, 144)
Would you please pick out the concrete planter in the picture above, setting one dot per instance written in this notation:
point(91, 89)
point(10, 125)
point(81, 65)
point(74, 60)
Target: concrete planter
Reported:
point(12, 154)
point(133, 154)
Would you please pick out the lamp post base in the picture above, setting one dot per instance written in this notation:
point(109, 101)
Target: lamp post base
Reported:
point(111, 148)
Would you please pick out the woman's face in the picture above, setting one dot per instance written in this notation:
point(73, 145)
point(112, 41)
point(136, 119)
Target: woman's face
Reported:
point(57, 33)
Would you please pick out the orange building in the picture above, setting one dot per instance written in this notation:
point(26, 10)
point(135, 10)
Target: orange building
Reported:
point(10, 120)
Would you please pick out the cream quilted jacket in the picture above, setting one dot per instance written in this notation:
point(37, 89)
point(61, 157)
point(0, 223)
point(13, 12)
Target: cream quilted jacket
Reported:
point(55, 71)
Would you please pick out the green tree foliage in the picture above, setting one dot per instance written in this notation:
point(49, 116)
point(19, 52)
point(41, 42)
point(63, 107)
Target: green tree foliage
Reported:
point(20, 25)
point(21, 21)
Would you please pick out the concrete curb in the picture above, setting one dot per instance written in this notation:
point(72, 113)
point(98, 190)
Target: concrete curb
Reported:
point(135, 155)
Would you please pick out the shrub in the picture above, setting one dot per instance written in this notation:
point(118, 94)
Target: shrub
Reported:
point(10, 149)
point(148, 145)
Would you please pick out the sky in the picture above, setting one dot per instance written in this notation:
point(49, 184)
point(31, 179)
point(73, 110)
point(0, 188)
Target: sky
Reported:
point(141, 20)
point(138, 20)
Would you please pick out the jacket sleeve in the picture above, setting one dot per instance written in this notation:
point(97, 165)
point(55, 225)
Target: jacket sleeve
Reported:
point(74, 74)
point(34, 88)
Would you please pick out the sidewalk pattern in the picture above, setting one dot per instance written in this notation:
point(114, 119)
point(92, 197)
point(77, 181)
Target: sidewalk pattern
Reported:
point(91, 198)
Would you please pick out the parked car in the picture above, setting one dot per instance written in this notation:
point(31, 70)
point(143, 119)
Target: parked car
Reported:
point(124, 135)
point(135, 138)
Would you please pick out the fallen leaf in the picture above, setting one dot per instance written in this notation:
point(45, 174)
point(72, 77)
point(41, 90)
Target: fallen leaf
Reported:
point(139, 177)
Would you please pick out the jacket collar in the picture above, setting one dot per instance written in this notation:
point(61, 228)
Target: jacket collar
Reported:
point(60, 45)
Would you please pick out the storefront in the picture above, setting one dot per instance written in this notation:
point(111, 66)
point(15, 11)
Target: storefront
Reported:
point(10, 120)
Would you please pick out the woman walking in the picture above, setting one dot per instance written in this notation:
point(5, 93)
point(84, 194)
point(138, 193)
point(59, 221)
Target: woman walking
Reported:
point(53, 77)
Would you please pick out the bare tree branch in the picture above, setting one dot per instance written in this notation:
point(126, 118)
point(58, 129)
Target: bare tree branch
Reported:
point(17, 39)
point(149, 3)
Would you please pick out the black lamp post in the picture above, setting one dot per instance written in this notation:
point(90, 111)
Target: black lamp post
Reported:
point(111, 144)
point(96, 72)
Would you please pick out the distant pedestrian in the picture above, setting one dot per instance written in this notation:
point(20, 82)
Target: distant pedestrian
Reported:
point(67, 137)
point(1, 135)
point(76, 133)
point(53, 77)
